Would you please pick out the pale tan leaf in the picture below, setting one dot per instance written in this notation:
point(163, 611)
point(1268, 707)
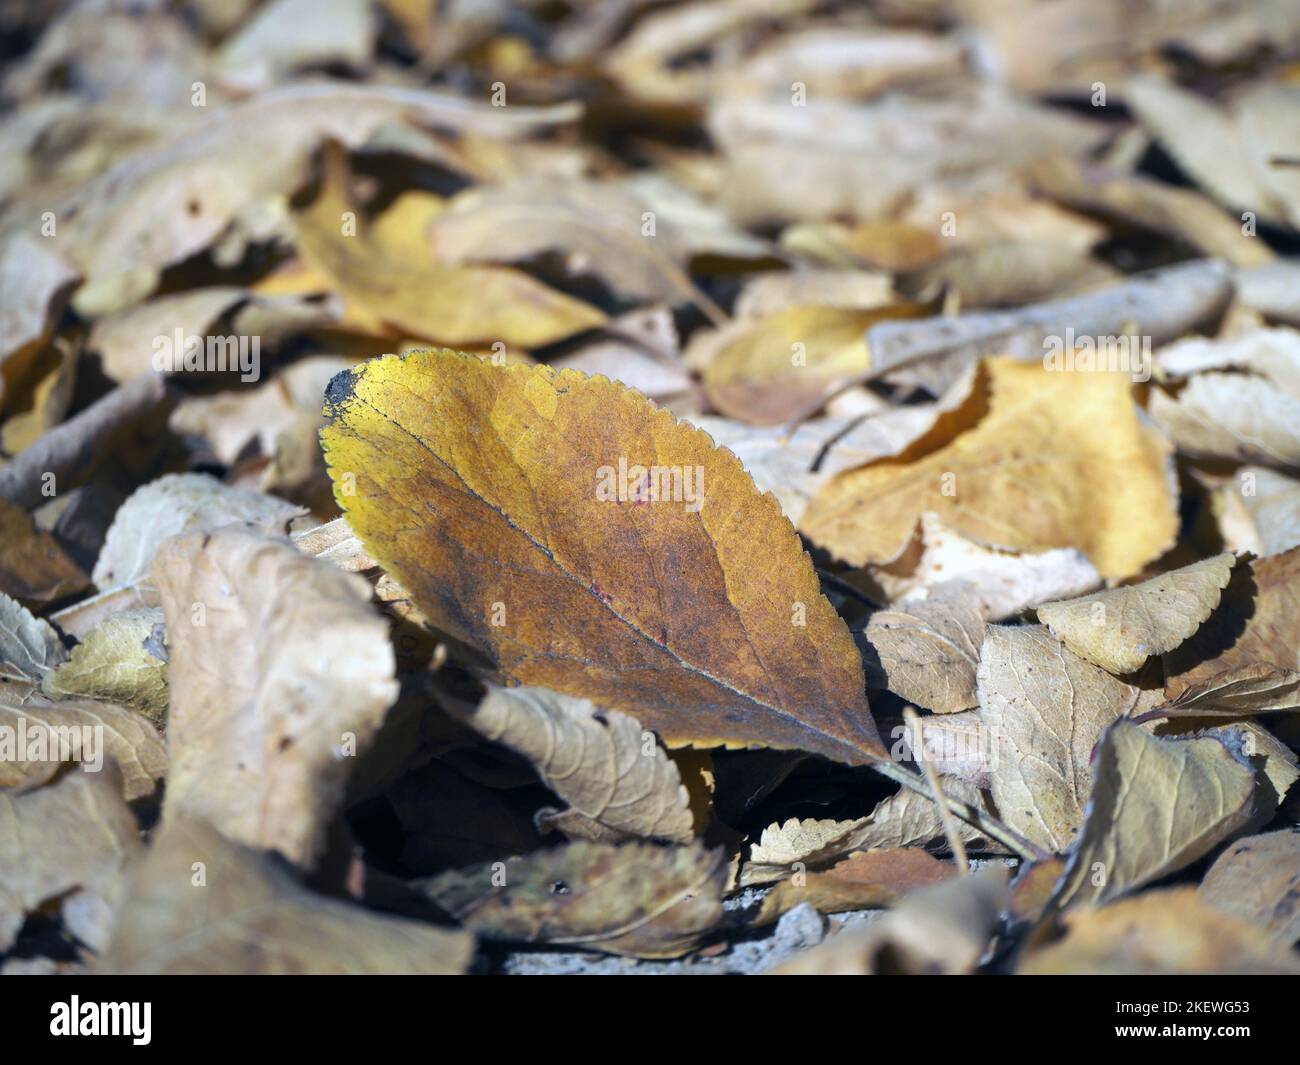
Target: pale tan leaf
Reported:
point(29, 646)
point(601, 762)
point(262, 747)
point(1167, 932)
point(939, 560)
point(1234, 417)
point(78, 731)
point(174, 504)
point(905, 819)
point(1157, 805)
point(1256, 622)
point(926, 651)
point(198, 903)
point(1044, 709)
point(1253, 688)
point(67, 842)
point(1259, 511)
point(1258, 880)
point(1121, 628)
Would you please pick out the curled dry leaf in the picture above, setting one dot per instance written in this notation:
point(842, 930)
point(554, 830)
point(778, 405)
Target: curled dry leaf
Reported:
point(637, 899)
point(1044, 709)
point(1157, 805)
point(1121, 628)
point(34, 567)
point(1254, 688)
point(285, 35)
point(129, 342)
point(177, 503)
point(904, 820)
point(122, 661)
point(70, 454)
point(1179, 213)
point(35, 282)
point(944, 928)
point(793, 466)
point(68, 842)
point(494, 492)
point(1273, 354)
point(78, 730)
point(411, 291)
point(1234, 417)
point(169, 200)
point(261, 748)
point(1258, 880)
point(926, 651)
point(1255, 622)
point(602, 763)
point(782, 366)
point(248, 915)
point(866, 880)
point(1055, 460)
point(1002, 582)
point(1258, 511)
point(29, 646)
point(601, 228)
point(1226, 151)
point(1170, 931)
point(1007, 273)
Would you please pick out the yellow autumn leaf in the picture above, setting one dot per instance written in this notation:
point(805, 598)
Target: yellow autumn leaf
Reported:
point(398, 280)
point(590, 543)
point(1053, 459)
point(780, 366)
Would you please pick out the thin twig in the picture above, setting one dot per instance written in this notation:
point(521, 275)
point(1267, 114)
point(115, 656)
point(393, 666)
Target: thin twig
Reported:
point(941, 800)
point(981, 819)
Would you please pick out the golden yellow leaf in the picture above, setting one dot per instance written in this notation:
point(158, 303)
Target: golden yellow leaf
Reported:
point(592, 544)
point(426, 298)
point(1121, 628)
point(771, 370)
point(1056, 460)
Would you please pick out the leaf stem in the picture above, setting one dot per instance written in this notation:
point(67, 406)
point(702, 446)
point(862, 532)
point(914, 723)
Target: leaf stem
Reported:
point(941, 800)
point(980, 819)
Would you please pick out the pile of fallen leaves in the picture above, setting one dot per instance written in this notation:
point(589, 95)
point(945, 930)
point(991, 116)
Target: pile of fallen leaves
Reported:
point(621, 486)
